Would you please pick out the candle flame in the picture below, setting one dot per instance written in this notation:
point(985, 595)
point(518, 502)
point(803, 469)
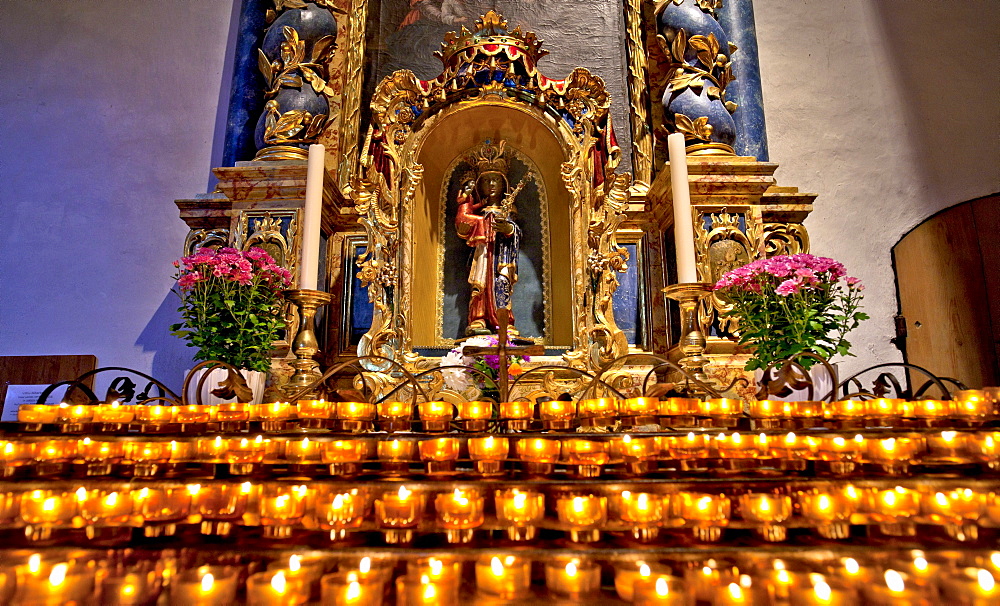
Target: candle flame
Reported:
point(281, 501)
point(338, 501)
point(207, 582)
point(128, 590)
point(707, 571)
point(366, 565)
point(294, 563)
point(244, 443)
point(429, 592)
point(889, 444)
point(81, 494)
point(278, 582)
point(352, 577)
point(218, 442)
point(193, 489)
point(737, 439)
point(488, 442)
point(859, 438)
point(662, 588)
point(111, 500)
point(353, 590)
point(578, 504)
point(824, 502)
point(459, 497)
point(259, 439)
point(509, 560)
point(889, 498)
point(995, 558)
point(920, 564)
point(436, 566)
point(851, 566)
point(949, 436)
point(626, 495)
point(894, 581)
point(245, 487)
point(571, 569)
point(8, 449)
point(735, 591)
point(626, 439)
point(35, 563)
point(839, 442)
point(49, 504)
point(822, 590)
point(496, 566)
point(745, 581)
point(520, 500)
point(986, 580)
point(403, 493)
point(779, 564)
point(784, 577)
point(690, 436)
point(765, 504)
point(850, 491)
point(86, 441)
point(304, 444)
point(704, 503)
point(644, 571)
point(643, 502)
point(58, 575)
point(144, 493)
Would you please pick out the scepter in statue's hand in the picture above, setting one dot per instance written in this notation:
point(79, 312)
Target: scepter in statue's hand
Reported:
point(507, 204)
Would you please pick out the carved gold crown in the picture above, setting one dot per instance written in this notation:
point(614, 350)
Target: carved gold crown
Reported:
point(489, 158)
point(491, 29)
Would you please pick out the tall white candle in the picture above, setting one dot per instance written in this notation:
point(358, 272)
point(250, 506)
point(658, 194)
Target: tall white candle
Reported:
point(312, 218)
point(683, 225)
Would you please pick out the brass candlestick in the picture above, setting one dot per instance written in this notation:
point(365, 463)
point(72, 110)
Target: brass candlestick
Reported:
point(692, 344)
point(305, 346)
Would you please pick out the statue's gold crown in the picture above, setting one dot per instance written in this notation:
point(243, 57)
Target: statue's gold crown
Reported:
point(489, 158)
point(491, 29)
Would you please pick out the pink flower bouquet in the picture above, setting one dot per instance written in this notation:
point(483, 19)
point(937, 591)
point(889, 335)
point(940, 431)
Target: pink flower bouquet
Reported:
point(231, 305)
point(792, 304)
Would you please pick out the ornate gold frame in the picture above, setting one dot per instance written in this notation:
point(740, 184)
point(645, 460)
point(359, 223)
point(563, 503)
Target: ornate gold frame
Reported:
point(405, 110)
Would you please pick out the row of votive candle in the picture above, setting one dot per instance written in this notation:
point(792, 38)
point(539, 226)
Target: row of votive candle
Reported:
point(489, 454)
point(461, 509)
point(913, 577)
point(552, 414)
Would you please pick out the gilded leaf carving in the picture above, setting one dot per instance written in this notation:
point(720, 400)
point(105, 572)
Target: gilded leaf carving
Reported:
point(264, 65)
point(290, 80)
point(698, 128)
point(289, 124)
point(321, 48)
point(679, 45)
point(707, 48)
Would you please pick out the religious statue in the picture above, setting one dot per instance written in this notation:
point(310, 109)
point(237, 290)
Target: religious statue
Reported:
point(485, 220)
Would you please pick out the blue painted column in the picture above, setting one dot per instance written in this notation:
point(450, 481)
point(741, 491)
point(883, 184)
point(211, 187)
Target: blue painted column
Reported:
point(736, 17)
point(246, 99)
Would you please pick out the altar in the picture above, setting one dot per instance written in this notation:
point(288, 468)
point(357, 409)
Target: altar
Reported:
point(504, 372)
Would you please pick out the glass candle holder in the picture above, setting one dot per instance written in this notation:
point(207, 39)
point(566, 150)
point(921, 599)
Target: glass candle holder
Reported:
point(233, 416)
point(722, 409)
point(100, 456)
point(348, 588)
point(439, 454)
point(893, 505)
point(355, 416)
point(345, 457)
point(626, 575)
point(281, 509)
point(45, 510)
point(584, 515)
point(573, 578)
point(638, 453)
point(394, 416)
point(303, 452)
point(679, 407)
point(436, 416)
point(205, 586)
point(974, 403)
point(15, 455)
point(395, 455)
point(845, 410)
point(972, 586)
point(113, 417)
point(134, 588)
point(459, 513)
point(105, 508)
point(517, 415)
point(315, 414)
point(244, 455)
point(507, 578)
point(820, 591)
point(398, 513)
point(661, 590)
point(691, 447)
point(277, 416)
point(638, 411)
point(341, 511)
point(155, 418)
point(894, 455)
point(193, 417)
point(76, 418)
point(557, 414)
point(642, 512)
point(148, 458)
point(52, 457)
point(589, 456)
point(475, 415)
point(828, 511)
point(423, 591)
point(61, 583)
point(33, 416)
point(277, 588)
point(882, 410)
point(949, 446)
point(304, 569)
point(769, 413)
point(805, 410)
point(538, 454)
point(955, 506)
point(10, 507)
point(221, 506)
point(768, 511)
point(488, 454)
point(931, 409)
point(705, 513)
point(736, 446)
point(894, 588)
point(163, 507)
point(212, 450)
point(599, 412)
point(519, 511)
point(436, 569)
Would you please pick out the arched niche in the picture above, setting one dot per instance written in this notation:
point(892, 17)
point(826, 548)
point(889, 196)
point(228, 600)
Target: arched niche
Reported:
point(452, 134)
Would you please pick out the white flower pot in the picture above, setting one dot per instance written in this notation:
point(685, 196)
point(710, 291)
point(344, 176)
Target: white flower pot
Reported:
point(255, 380)
point(821, 380)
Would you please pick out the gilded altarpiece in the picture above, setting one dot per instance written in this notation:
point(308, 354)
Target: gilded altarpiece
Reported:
point(490, 87)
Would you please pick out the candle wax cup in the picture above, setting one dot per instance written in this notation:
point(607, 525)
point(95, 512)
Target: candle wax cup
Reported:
point(277, 588)
point(661, 590)
point(573, 578)
point(538, 450)
point(580, 512)
point(518, 507)
point(488, 448)
point(351, 589)
point(505, 577)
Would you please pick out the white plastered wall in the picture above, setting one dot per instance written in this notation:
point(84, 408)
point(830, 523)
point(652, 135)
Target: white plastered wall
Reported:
point(890, 111)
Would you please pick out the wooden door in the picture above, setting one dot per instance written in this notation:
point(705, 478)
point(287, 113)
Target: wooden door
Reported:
point(948, 280)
